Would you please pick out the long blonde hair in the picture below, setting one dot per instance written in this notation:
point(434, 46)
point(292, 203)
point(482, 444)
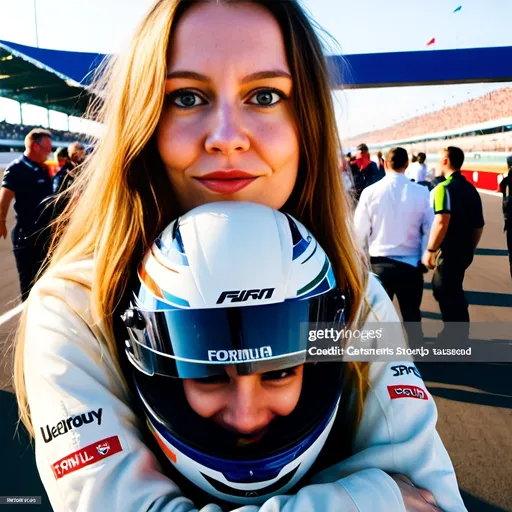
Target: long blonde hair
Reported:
point(125, 198)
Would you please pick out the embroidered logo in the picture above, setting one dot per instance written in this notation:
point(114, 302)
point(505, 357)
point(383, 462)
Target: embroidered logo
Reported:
point(49, 433)
point(407, 392)
point(401, 369)
point(86, 456)
point(103, 449)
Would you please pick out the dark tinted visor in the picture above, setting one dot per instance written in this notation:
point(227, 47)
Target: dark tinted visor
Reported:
point(199, 343)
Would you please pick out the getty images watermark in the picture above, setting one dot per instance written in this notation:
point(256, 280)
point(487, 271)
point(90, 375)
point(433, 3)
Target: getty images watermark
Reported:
point(384, 341)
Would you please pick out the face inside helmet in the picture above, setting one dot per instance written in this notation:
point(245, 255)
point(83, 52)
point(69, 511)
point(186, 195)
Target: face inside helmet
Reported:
point(228, 390)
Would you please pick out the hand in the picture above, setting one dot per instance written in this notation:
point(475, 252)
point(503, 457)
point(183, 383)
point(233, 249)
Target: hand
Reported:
point(415, 499)
point(429, 259)
point(3, 229)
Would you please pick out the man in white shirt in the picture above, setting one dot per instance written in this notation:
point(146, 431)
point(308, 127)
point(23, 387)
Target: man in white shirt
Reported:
point(394, 217)
point(418, 170)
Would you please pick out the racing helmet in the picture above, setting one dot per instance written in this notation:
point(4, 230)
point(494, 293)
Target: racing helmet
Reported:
point(233, 283)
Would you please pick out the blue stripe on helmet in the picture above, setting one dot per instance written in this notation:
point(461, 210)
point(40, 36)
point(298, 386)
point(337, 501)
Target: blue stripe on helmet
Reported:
point(323, 287)
point(176, 300)
point(300, 248)
point(244, 471)
point(147, 300)
point(299, 244)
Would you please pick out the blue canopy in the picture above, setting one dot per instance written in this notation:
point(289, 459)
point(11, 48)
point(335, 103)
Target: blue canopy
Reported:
point(58, 79)
point(49, 78)
point(430, 67)
point(75, 65)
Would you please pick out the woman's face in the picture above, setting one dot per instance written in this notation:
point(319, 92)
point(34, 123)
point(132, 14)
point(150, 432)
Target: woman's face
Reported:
point(245, 404)
point(227, 130)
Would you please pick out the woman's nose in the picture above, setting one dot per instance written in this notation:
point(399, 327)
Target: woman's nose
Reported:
point(227, 133)
point(246, 411)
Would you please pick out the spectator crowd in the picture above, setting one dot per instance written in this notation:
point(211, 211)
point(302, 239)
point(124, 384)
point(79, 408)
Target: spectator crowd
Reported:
point(494, 105)
point(19, 131)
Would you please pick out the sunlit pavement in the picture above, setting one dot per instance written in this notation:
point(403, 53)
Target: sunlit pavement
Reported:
point(474, 399)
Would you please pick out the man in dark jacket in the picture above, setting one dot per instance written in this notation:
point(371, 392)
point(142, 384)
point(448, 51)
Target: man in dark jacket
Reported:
point(368, 171)
point(506, 190)
point(27, 182)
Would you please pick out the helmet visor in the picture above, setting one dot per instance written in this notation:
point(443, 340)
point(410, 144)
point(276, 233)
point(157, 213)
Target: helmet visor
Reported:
point(199, 343)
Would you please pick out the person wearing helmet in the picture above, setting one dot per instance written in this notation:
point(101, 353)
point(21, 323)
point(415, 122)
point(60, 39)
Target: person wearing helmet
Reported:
point(221, 369)
point(218, 356)
point(234, 409)
point(186, 126)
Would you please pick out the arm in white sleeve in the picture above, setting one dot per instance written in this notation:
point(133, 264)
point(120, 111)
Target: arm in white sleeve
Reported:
point(398, 433)
point(89, 450)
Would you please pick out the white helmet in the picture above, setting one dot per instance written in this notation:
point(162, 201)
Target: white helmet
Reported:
point(233, 283)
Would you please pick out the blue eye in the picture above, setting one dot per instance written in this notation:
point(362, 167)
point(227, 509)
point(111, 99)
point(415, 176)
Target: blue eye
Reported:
point(185, 99)
point(267, 97)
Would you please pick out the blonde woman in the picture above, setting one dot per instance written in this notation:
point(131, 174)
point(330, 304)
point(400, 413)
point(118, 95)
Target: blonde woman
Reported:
point(212, 101)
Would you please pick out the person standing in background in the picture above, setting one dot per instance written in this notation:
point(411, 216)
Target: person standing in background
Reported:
point(60, 158)
point(394, 216)
point(64, 178)
point(380, 160)
point(506, 190)
point(346, 175)
point(62, 162)
point(455, 234)
point(27, 181)
point(369, 172)
point(417, 171)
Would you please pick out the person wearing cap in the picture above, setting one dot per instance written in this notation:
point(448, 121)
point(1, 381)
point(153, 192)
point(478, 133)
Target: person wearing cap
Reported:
point(369, 172)
point(506, 190)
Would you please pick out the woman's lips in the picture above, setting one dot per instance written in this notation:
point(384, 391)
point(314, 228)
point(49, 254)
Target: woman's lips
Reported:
point(226, 182)
point(226, 186)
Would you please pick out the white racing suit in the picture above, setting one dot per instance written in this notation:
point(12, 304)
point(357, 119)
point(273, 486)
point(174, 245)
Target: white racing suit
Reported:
point(90, 451)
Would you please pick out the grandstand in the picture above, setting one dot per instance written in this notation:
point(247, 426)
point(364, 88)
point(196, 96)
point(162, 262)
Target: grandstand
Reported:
point(12, 135)
point(481, 127)
point(493, 106)
point(54, 81)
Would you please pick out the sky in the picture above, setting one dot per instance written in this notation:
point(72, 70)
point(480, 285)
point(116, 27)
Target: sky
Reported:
point(356, 26)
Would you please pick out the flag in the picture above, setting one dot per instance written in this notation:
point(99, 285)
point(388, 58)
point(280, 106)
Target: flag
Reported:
point(458, 8)
point(432, 41)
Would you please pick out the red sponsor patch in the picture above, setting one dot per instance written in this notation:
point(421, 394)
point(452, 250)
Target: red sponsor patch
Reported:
point(87, 456)
point(405, 391)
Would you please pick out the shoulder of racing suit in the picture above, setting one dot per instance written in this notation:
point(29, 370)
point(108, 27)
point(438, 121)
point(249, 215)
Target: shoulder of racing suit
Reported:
point(397, 432)
point(90, 451)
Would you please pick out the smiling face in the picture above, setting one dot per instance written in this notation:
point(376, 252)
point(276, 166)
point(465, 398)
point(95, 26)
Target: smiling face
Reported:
point(245, 404)
point(227, 131)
